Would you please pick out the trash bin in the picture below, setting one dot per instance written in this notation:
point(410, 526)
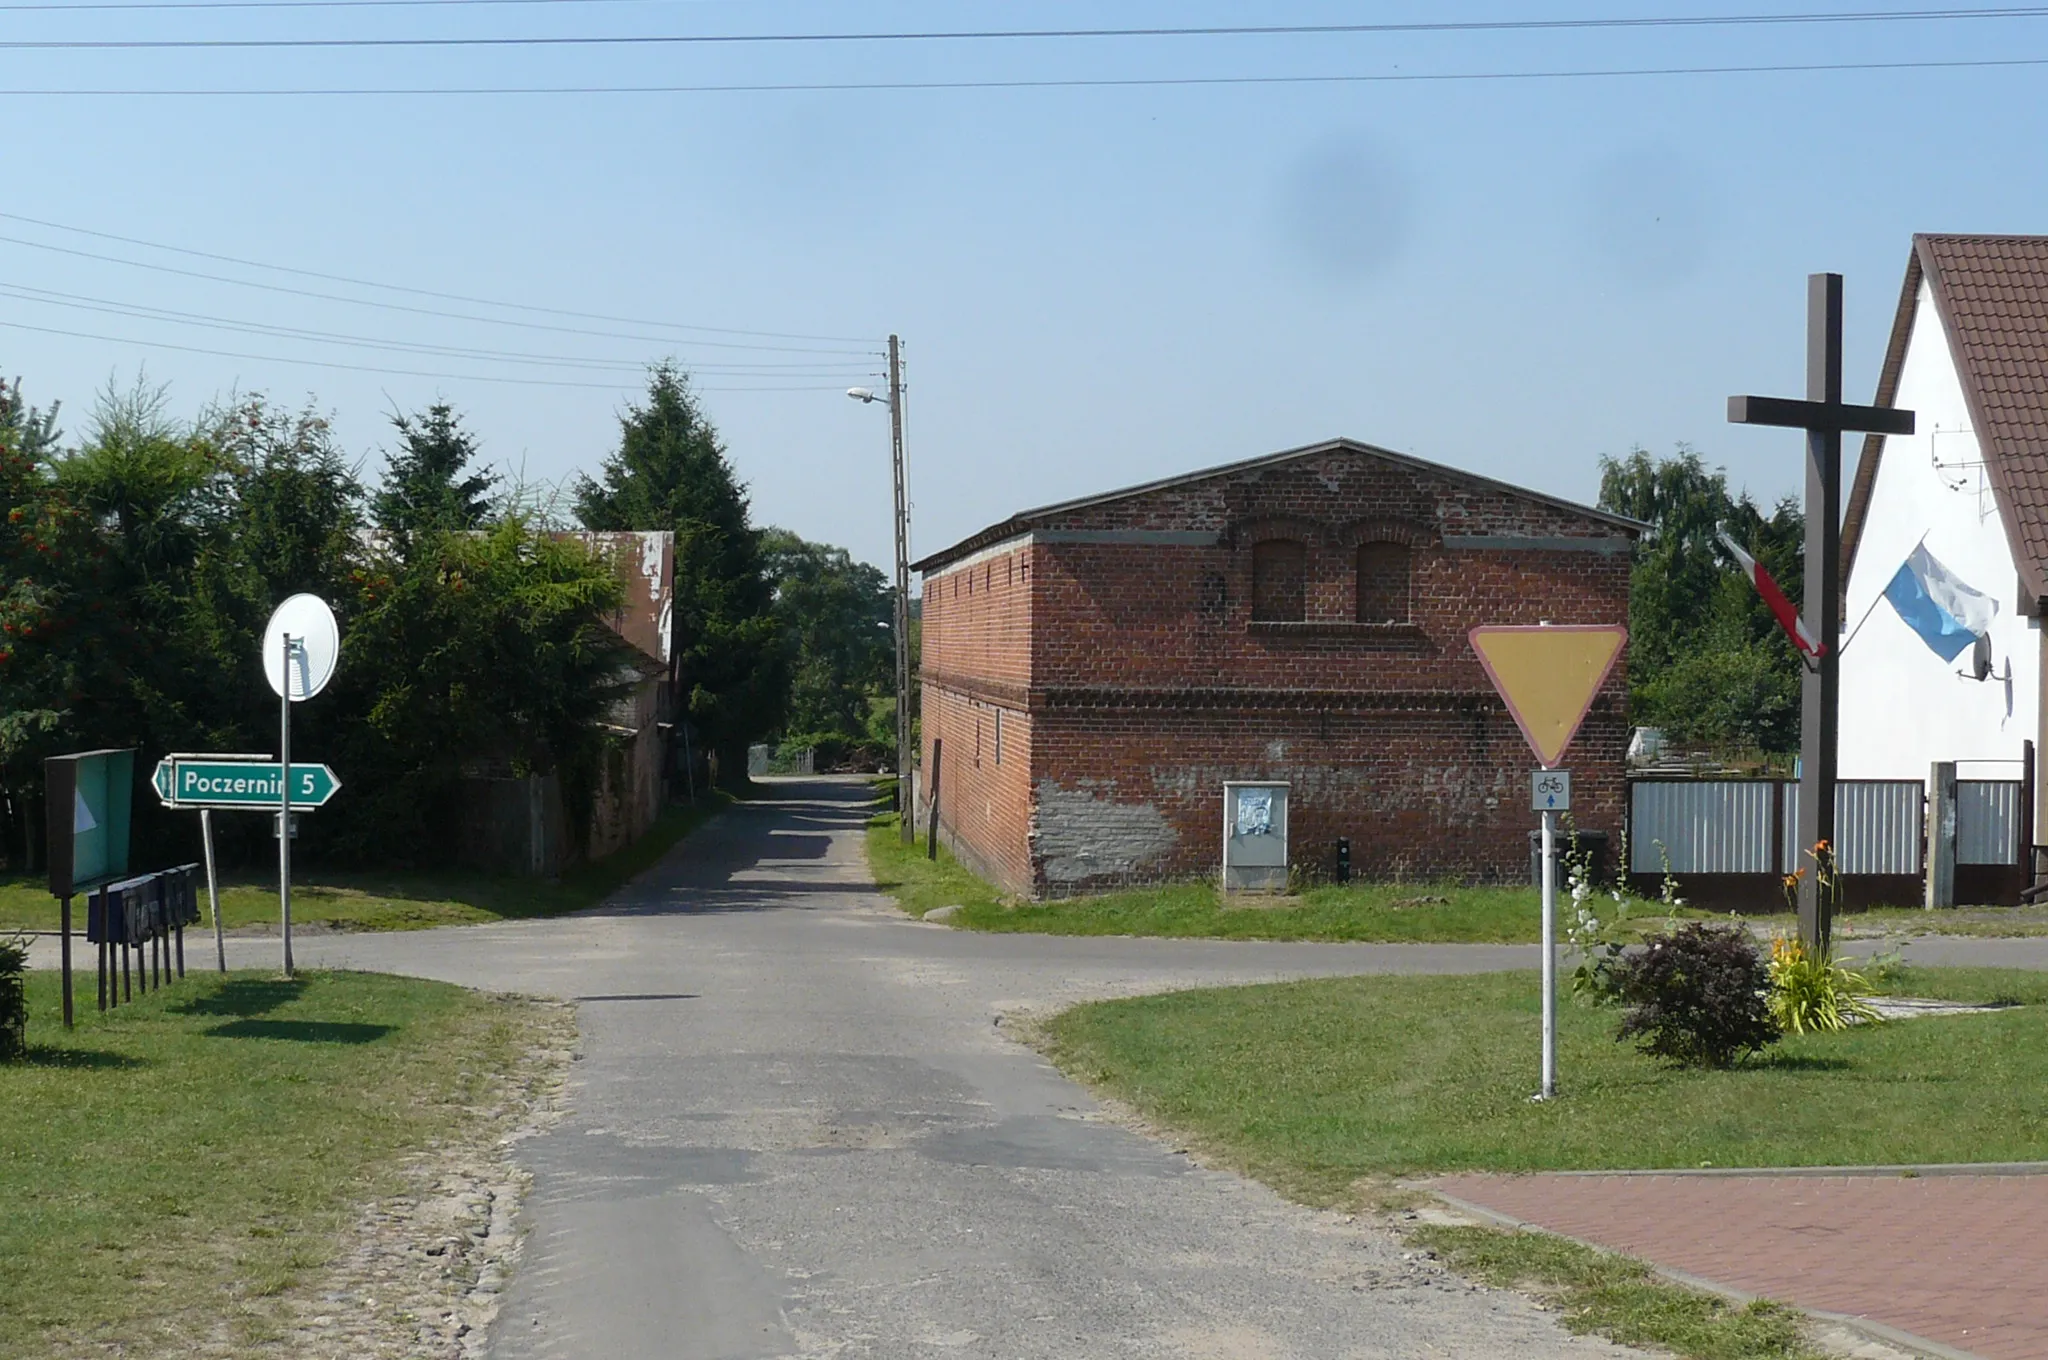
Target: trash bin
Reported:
point(1593, 843)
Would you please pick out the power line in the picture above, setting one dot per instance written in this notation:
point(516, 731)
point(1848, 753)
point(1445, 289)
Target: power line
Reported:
point(657, 340)
point(425, 292)
point(293, 4)
point(1032, 34)
point(392, 372)
point(1078, 83)
point(143, 312)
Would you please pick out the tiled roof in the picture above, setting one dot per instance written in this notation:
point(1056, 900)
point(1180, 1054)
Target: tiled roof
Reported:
point(1992, 292)
point(1025, 519)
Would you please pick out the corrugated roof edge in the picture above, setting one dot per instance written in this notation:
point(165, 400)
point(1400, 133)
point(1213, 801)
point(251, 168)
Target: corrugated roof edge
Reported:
point(1024, 519)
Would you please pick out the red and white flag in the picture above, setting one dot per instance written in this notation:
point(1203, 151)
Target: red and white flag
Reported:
point(1788, 617)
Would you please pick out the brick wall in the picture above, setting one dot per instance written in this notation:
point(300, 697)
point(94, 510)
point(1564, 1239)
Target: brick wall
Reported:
point(1125, 629)
point(974, 676)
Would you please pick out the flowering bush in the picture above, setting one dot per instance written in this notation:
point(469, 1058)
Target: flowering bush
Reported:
point(1697, 997)
point(1597, 941)
point(1812, 993)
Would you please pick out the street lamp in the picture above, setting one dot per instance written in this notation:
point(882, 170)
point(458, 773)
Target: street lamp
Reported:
point(894, 401)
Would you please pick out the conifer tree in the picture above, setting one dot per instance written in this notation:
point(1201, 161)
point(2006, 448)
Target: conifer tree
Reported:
point(729, 669)
point(424, 490)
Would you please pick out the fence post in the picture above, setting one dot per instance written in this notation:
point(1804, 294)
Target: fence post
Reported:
point(1941, 834)
point(2024, 832)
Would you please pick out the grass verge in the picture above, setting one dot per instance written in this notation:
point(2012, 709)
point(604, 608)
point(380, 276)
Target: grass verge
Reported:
point(918, 884)
point(399, 900)
point(1619, 1298)
point(1383, 912)
point(1332, 1089)
point(172, 1170)
point(1317, 1085)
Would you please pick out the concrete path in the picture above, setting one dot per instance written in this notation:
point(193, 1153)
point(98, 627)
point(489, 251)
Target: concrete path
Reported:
point(1959, 1260)
point(797, 1130)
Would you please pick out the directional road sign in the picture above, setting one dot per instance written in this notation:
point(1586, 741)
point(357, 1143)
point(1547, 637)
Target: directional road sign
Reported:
point(1548, 676)
point(183, 782)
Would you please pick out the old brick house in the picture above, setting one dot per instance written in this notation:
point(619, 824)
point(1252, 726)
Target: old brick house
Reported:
point(1096, 670)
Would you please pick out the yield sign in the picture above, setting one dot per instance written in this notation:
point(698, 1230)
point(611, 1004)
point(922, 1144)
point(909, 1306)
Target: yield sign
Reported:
point(1548, 676)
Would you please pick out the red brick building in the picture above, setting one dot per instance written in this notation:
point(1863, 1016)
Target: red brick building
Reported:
point(1097, 669)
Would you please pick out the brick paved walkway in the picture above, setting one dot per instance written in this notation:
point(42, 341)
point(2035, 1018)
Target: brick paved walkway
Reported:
point(1962, 1260)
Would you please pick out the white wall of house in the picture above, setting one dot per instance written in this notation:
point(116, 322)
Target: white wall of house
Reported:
point(1903, 707)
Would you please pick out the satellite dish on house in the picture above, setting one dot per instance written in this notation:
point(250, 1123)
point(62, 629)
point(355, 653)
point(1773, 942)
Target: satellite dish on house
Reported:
point(316, 646)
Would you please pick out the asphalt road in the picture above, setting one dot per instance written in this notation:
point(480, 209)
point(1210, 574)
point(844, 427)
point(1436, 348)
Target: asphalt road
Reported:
point(797, 1128)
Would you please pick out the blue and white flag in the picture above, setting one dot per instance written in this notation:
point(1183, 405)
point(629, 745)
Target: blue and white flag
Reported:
point(1948, 615)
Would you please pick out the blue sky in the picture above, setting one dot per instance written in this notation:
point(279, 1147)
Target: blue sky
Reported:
point(1095, 286)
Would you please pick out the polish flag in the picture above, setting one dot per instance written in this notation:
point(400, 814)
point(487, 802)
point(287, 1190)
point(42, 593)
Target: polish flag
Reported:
point(1788, 617)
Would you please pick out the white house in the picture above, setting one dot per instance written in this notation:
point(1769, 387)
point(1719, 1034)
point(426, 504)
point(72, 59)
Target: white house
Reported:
point(1969, 355)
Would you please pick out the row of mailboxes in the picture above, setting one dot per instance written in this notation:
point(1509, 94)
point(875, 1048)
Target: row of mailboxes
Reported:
point(137, 910)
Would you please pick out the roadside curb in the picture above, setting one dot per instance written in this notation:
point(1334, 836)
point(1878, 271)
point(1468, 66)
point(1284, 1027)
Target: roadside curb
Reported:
point(1903, 1171)
point(1875, 1331)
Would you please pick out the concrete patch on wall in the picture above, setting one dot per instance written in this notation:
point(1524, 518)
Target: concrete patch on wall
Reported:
point(1079, 834)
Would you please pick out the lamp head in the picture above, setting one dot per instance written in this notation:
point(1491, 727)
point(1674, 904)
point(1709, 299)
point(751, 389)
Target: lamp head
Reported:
point(860, 394)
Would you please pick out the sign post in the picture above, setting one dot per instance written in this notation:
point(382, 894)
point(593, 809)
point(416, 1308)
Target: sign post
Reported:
point(88, 797)
point(304, 643)
point(1548, 676)
point(226, 783)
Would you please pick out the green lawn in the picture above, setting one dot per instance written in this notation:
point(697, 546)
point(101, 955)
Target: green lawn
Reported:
point(1317, 1085)
point(1365, 911)
point(400, 900)
point(183, 1162)
point(1330, 1089)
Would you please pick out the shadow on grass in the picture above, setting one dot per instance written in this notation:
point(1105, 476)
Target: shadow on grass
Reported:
point(78, 1059)
point(301, 1031)
point(1788, 1062)
point(244, 997)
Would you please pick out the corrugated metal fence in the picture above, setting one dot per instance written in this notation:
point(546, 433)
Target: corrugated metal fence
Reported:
point(1987, 821)
point(1727, 826)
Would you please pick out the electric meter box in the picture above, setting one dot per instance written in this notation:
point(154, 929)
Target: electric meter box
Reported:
point(1254, 837)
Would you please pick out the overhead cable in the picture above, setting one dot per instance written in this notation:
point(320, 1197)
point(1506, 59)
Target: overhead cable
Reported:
point(1076, 83)
point(394, 372)
point(1035, 34)
point(425, 292)
point(140, 311)
point(658, 340)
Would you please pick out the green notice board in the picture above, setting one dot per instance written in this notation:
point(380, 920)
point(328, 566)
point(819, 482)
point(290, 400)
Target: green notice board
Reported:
point(89, 796)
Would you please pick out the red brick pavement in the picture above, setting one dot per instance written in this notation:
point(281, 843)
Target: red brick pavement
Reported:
point(1962, 1260)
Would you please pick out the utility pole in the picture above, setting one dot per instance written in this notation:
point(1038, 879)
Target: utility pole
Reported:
point(907, 814)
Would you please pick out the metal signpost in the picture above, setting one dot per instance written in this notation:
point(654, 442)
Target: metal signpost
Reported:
point(88, 797)
point(211, 782)
point(304, 643)
point(1548, 676)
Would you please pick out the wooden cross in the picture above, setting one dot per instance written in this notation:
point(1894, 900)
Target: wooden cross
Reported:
point(1824, 417)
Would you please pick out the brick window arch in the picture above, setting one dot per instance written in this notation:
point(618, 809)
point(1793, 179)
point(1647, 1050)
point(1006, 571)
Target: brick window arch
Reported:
point(1279, 581)
point(1383, 580)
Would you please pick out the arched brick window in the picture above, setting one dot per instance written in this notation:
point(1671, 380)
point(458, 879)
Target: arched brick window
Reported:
point(1383, 583)
point(1279, 581)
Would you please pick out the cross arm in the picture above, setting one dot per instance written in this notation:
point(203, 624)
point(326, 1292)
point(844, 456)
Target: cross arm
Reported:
point(1818, 415)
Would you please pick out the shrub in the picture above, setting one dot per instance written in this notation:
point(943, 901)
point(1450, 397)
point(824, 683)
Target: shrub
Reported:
point(1697, 997)
point(1812, 993)
point(13, 999)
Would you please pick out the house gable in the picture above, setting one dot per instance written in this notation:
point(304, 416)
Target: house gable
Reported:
point(1990, 296)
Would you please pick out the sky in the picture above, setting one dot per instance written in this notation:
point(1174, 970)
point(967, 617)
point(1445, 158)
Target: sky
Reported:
point(1096, 285)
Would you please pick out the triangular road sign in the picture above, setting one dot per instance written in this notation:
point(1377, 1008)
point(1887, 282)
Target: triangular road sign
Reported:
point(1548, 676)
